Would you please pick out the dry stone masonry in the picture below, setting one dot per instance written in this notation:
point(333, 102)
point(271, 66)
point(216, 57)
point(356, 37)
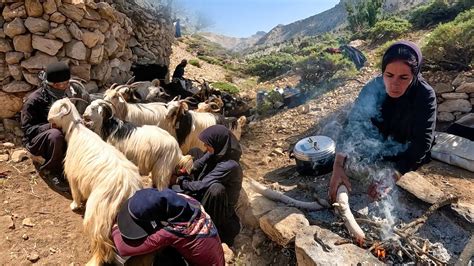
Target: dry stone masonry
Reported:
point(97, 40)
point(455, 98)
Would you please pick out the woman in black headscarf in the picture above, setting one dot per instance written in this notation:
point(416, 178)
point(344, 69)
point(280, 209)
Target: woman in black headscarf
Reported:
point(392, 121)
point(217, 179)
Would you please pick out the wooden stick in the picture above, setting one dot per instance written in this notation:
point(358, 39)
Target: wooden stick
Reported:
point(278, 196)
point(343, 208)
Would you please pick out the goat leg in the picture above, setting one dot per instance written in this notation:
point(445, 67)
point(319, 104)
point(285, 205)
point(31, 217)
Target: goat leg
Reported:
point(343, 208)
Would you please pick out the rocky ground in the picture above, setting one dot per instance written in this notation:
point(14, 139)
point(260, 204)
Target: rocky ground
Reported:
point(38, 227)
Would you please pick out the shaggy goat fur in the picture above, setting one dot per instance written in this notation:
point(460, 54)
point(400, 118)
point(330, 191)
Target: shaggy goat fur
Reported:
point(137, 113)
point(96, 172)
point(178, 110)
point(151, 148)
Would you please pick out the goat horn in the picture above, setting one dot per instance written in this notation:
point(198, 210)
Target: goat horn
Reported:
point(216, 107)
point(130, 80)
point(113, 86)
point(79, 99)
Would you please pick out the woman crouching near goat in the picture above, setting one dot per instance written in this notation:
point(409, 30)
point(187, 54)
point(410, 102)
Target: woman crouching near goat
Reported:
point(174, 225)
point(216, 179)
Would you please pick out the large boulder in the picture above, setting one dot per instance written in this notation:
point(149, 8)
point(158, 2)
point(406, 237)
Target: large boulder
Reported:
point(57, 18)
point(11, 11)
point(61, 32)
point(34, 8)
point(443, 88)
point(455, 95)
point(22, 43)
point(72, 11)
point(11, 104)
point(460, 105)
point(464, 77)
point(17, 86)
point(38, 62)
point(90, 39)
point(75, 31)
point(467, 87)
point(14, 28)
point(76, 50)
point(49, 7)
point(13, 57)
point(45, 45)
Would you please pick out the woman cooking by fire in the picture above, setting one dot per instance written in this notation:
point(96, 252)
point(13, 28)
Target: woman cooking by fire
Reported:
point(391, 124)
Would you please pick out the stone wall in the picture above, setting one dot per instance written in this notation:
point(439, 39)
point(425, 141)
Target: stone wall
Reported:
point(456, 97)
point(99, 42)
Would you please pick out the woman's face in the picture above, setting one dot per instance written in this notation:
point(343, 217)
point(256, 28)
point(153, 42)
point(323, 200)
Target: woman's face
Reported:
point(209, 149)
point(397, 77)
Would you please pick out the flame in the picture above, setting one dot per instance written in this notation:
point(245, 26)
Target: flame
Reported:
point(380, 252)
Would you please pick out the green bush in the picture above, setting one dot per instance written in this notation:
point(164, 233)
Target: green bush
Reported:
point(194, 62)
point(390, 28)
point(438, 11)
point(270, 66)
point(209, 59)
point(325, 67)
point(380, 51)
point(451, 45)
point(363, 15)
point(224, 86)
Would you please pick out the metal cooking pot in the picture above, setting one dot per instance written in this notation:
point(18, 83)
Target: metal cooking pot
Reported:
point(314, 155)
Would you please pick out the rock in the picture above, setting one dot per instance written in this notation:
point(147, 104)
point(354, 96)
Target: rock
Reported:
point(5, 46)
point(465, 210)
point(33, 257)
point(25, 237)
point(310, 253)
point(8, 145)
point(91, 14)
point(82, 71)
point(13, 57)
point(27, 222)
point(90, 39)
point(420, 187)
point(443, 87)
point(22, 43)
point(110, 46)
point(45, 45)
point(228, 253)
point(459, 105)
point(106, 11)
point(11, 12)
point(6, 222)
point(258, 238)
point(91, 87)
point(33, 8)
point(38, 61)
point(97, 53)
point(132, 42)
point(37, 25)
point(103, 26)
point(72, 11)
point(16, 27)
point(75, 31)
point(49, 7)
point(19, 155)
point(445, 117)
point(282, 224)
point(17, 86)
point(252, 206)
point(464, 77)
point(15, 71)
point(61, 32)
point(279, 151)
point(4, 157)
point(57, 18)
point(31, 78)
point(101, 71)
point(466, 87)
point(455, 95)
point(10, 103)
point(76, 50)
point(303, 109)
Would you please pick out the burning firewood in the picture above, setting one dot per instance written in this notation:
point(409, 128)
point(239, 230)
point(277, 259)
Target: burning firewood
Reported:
point(278, 196)
point(343, 208)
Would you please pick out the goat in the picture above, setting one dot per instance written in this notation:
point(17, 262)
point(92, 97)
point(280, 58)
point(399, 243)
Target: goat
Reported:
point(151, 148)
point(96, 172)
point(189, 124)
point(137, 113)
point(144, 92)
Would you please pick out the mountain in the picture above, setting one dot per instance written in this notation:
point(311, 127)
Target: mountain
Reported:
point(327, 21)
point(233, 43)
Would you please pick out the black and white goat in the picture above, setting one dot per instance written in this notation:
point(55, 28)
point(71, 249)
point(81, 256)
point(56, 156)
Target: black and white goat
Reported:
point(151, 148)
point(188, 124)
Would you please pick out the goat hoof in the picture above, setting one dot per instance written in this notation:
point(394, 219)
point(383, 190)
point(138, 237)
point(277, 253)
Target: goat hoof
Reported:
point(74, 206)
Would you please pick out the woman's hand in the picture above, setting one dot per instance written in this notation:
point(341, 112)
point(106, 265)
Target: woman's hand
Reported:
point(338, 177)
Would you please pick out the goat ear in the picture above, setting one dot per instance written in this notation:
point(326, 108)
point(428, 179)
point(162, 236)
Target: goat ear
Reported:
point(121, 99)
point(105, 111)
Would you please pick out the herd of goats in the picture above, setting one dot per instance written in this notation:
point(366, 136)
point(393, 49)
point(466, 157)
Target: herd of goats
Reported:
point(126, 132)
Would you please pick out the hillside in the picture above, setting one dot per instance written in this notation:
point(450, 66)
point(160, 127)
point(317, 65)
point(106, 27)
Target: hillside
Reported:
point(327, 21)
point(233, 43)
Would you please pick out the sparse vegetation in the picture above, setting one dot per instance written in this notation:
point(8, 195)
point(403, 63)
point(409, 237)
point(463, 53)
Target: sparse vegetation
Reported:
point(270, 66)
point(438, 11)
point(194, 62)
point(325, 67)
point(227, 87)
point(389, 28)
point(451, 45)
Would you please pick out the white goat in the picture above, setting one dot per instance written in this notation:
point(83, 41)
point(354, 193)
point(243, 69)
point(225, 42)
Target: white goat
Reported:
point(96, 172)
point(151, 148)
point(189, 124)
point(137, 113)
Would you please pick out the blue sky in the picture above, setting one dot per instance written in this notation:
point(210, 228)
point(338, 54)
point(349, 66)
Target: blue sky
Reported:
point(242, 18)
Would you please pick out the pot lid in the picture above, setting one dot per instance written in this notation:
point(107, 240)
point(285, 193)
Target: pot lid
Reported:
point(314, 148)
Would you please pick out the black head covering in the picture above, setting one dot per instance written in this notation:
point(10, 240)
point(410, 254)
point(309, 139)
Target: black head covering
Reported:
point(58, 72)
point(222, 140)
point(150, 210)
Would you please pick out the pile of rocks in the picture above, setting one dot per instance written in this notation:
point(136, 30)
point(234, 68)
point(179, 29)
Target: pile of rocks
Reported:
point(455, 98)
point(99, 42)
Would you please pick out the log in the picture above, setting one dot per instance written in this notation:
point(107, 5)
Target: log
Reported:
point(278, 196)
point(344, 210)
